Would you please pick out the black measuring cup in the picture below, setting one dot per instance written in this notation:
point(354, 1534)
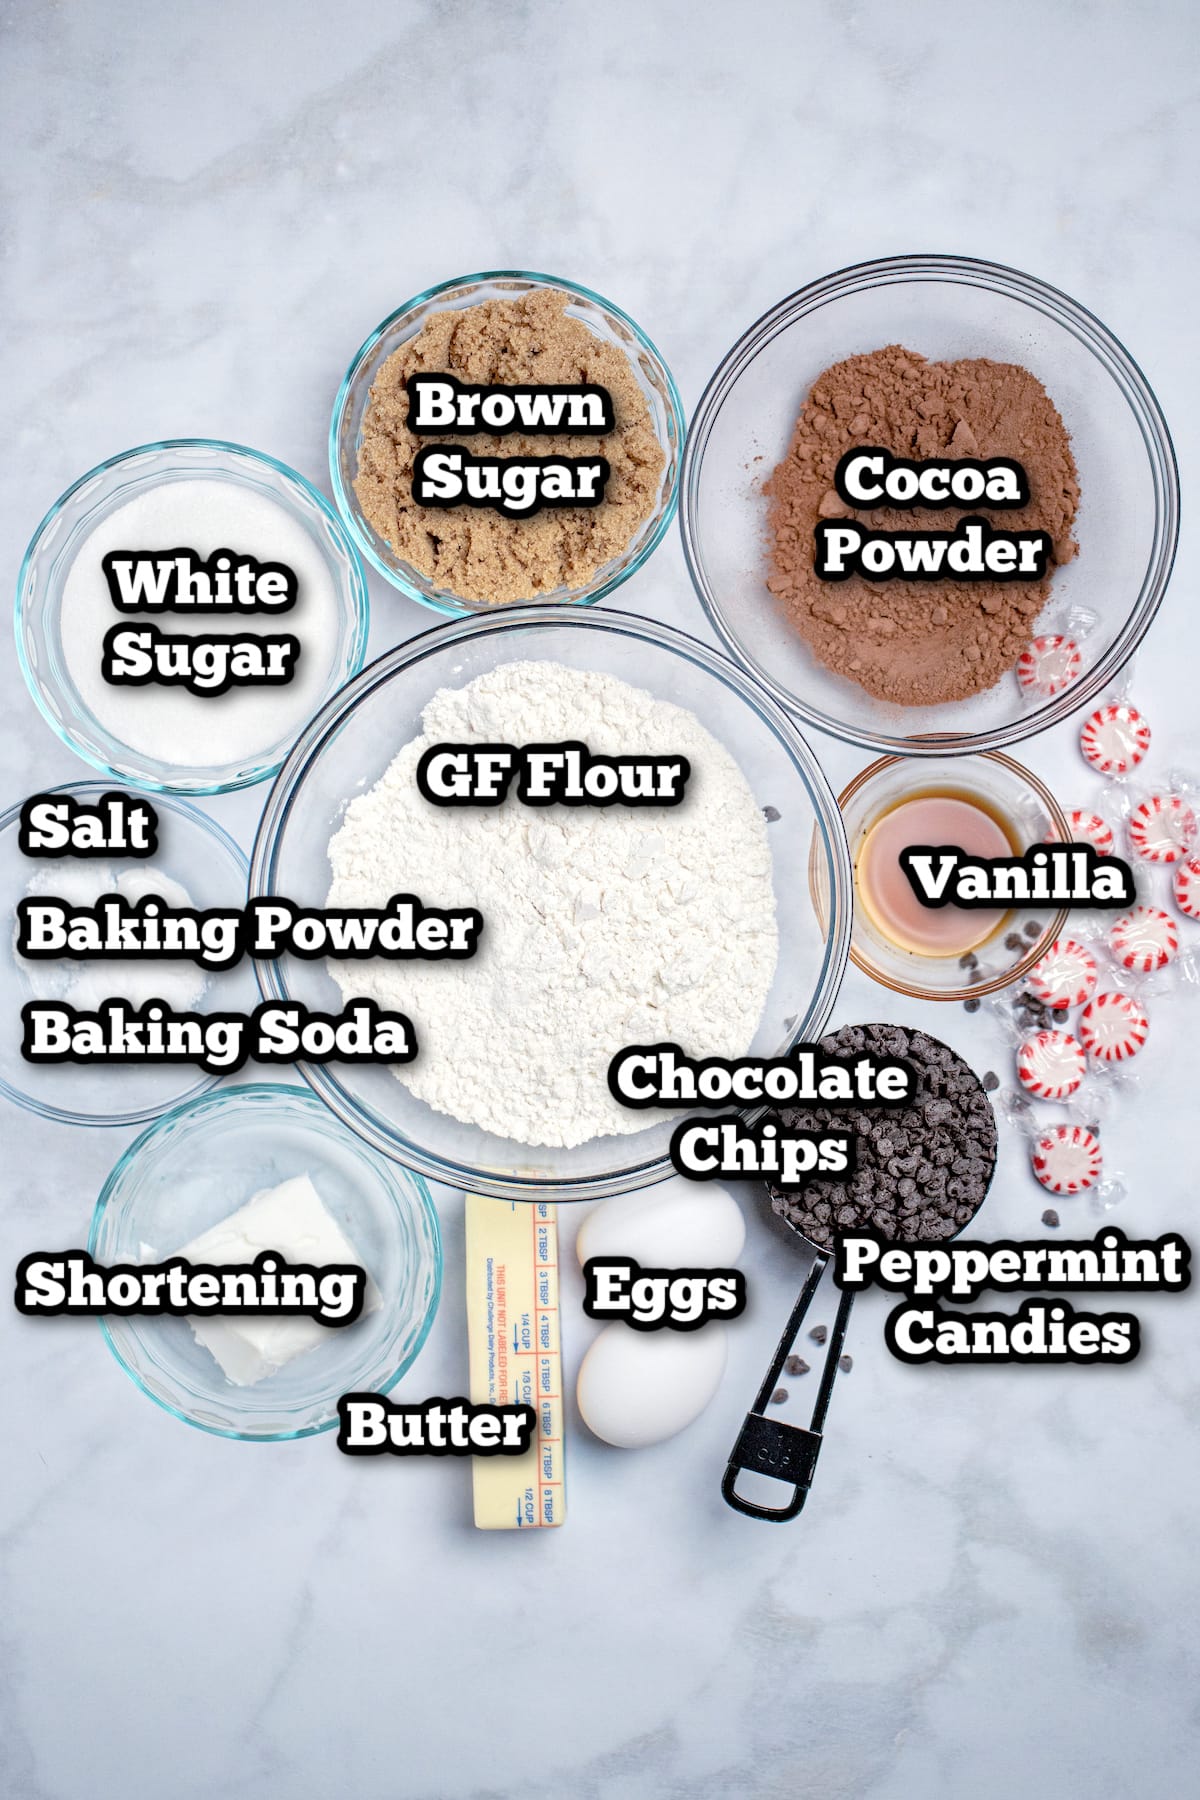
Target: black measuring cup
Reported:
point(772, 1447)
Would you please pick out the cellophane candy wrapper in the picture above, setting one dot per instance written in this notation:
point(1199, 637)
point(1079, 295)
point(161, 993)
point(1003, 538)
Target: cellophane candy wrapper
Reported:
point(1058, 655)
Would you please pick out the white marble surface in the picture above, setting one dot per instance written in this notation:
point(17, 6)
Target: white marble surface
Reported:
point(995, 1586)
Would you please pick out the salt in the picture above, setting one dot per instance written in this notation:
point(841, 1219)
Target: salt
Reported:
point(168, 724)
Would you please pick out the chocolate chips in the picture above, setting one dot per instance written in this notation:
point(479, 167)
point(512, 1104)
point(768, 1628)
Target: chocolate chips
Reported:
point(922, 1170)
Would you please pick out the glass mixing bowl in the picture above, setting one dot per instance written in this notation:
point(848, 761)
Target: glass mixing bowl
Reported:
point(349, 745)
point(943, 307)
point(194, 852)
point(199, 1164)
point(1032, 816)
point(606, 322)
point(64, 531)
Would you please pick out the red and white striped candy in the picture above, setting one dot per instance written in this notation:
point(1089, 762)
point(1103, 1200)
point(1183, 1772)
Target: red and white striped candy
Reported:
point(1086, 828)
point(1049, 665)
point(1186, 888)
point(1065, 975)
point(1113, 1027)
point(1051, 1064)
point(1067, 1159)
point(1162, 828)
point(1144, 939)
point(1115, 738)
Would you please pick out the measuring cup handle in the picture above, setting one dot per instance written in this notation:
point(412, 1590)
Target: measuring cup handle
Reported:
point(787, 1453)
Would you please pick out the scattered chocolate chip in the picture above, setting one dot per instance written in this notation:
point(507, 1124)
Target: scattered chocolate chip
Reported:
point(971, 1005)
point(771, 814)
point(796, 1365)
point(990, 1082)
point(969, 961)
point(1014, 941)
point(1032, 929)
point(845, 1364)
point(778, 1397)
point(1050, 1217)
point(819, 1333)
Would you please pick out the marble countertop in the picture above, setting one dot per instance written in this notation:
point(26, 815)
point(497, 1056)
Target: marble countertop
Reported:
point(994, 1588)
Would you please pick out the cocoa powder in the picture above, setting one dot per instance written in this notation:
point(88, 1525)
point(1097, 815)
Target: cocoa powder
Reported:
point(918, 643)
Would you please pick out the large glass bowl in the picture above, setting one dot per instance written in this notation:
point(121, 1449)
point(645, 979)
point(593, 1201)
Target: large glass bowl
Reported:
point(64, 531)
point(943, 307)
point(199, 1164)
point(350, 744)
point(606, 322)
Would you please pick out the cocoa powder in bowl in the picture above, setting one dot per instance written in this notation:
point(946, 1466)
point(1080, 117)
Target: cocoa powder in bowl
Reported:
point(918, 643)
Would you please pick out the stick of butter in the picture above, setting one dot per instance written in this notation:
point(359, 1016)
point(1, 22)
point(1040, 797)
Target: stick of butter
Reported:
point(512, 1330)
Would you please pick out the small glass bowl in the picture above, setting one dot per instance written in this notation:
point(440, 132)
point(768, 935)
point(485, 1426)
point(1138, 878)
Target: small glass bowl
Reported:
point(56, 543)
point(606, 322)
point(194, 851)
point(201, 1163)
point(347, 748)
point(943, 307)
point(1006, 789)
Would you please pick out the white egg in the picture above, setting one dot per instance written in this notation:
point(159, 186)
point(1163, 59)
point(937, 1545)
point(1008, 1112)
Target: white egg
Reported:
point(677, 1225)
point(639, 1387)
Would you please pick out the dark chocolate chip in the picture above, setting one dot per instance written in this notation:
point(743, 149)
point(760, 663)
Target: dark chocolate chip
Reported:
point(991, 1082)
point(845, 1364)
point(778, 1397)
point(819, 1333)
point(971, 1005)
point(771, 814)
point(1050, 1217)
point(796, 1365)
point(1032, 929)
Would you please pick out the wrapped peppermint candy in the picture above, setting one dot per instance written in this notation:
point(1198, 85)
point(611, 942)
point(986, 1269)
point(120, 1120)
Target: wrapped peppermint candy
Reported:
point(1144, 940)
point(1067, 1159)
point(1051, 1065)
point(1115, 738)
point(1162, 828)
point(1065, 975)
point(1185, 886)
point(1113, 1026)
point(1049, 665)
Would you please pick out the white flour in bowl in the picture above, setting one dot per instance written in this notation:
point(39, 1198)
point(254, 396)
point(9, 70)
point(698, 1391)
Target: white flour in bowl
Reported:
point(603, 927)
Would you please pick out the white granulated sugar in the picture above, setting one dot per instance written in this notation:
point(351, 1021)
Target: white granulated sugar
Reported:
point(193, 731)
point(603, 927)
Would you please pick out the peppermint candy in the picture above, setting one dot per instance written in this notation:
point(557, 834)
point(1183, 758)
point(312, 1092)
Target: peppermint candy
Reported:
point(1065, 975)
point(1067, 1159)
point(1186, 888)
point(1113, 1027)
point(1049, 665)
point(1162, 828)
point(1144, 940)
point(1051, 1064)
point(1115, 738)
point(1088, 828)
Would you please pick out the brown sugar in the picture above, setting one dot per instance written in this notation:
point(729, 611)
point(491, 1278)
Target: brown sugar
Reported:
point(482, 555)
point(919, 643)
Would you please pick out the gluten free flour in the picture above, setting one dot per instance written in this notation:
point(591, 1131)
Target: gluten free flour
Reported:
point(603, 926)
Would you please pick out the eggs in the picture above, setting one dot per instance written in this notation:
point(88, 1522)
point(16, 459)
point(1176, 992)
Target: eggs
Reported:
point(677, 1225)
point(639, 1387)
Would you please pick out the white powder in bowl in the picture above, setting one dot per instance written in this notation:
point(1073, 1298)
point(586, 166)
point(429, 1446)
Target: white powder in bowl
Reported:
point(603, 927)
point(195, 732)
point(86, 983)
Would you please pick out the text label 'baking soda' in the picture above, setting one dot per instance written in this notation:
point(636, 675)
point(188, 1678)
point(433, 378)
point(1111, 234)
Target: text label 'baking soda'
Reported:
point(566, 774)
point(1068, 875)
point(617, 1287)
